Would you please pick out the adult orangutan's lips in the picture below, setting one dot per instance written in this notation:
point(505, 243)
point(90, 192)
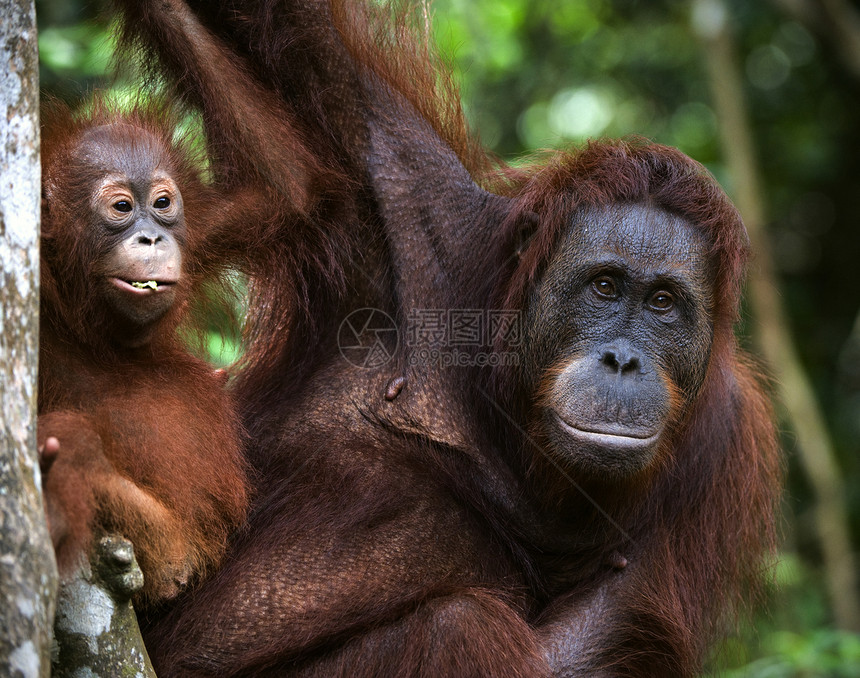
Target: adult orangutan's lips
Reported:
point(610, 436)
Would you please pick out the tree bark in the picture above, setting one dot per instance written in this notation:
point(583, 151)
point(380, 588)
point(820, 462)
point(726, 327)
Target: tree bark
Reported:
point(814, 446)
point(28, 577)
point(96, 627)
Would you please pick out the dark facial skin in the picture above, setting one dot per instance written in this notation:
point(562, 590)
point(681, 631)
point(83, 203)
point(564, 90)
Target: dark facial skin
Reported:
point(620, 337)
point(138, 226)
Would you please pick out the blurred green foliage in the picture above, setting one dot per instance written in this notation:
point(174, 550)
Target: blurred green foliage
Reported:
point(793, 638)
point(538, 73)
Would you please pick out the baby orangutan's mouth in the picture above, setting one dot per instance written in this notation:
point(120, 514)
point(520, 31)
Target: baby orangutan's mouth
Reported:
point(143, 286)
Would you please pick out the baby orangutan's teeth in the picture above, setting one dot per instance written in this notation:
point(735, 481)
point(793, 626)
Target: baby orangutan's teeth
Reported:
point(143, 285)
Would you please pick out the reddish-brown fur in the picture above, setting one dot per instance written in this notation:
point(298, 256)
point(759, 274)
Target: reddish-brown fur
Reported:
point(149, 441)
point(418, 534)
point(696, 535)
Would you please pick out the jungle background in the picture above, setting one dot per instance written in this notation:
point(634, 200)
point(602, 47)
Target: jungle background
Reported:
point(767, 96)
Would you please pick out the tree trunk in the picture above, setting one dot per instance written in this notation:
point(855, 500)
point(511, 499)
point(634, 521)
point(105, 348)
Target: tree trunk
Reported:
point(28, 577)
point(814, 447)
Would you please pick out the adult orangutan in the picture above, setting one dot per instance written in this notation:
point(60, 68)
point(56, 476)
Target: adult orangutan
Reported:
point(598, 508)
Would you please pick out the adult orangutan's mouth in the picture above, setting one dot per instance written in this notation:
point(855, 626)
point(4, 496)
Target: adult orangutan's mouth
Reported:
point(610, 436)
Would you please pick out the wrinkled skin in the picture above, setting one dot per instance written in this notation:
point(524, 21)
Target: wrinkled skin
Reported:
point(619, 333)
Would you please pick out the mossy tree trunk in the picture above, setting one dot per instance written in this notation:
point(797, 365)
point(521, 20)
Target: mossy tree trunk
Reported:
point(28, 578)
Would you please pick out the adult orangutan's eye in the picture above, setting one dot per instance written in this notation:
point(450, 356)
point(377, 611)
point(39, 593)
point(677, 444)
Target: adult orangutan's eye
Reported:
point(605, 287)
point(661, 301)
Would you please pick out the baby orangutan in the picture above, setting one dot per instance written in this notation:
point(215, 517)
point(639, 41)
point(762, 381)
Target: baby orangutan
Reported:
point(136, 435)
